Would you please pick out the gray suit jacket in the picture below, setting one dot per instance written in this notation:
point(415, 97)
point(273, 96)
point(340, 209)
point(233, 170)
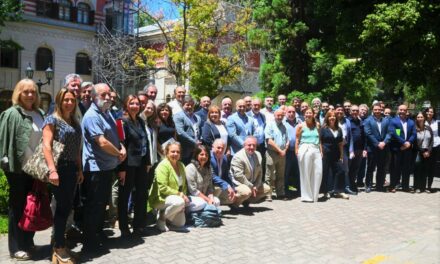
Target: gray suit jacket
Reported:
point(186, 134)
point(241, 171)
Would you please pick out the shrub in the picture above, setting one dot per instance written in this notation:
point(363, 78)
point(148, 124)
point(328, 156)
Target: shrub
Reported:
point(4, 193)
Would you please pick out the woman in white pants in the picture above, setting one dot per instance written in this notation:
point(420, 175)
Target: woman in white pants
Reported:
point(199, 179)
point(309, 152)
point(167, 193)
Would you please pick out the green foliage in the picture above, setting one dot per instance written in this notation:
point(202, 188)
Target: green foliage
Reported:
point(3, 224)
point(205, 47)
point(10, 10)
point(4, 193)
point(350, 49)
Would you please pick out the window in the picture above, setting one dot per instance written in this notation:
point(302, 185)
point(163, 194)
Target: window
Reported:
point(83, 13)
point(44, 8)
point(9, 58)
point(83, 65)
point(64, 10)
point(44, 59)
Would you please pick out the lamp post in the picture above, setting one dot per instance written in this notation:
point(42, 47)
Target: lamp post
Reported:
point(49, 76)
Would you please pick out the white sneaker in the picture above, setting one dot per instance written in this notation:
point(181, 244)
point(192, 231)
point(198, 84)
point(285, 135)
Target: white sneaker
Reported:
point(162, 226)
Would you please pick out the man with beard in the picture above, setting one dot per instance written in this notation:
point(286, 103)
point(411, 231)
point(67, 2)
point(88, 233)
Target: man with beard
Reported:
point(248, 102)
point(102, 152)
point(267, 111)
point(151, 91)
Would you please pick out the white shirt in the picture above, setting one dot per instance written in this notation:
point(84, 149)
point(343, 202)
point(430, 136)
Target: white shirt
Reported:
point(36, 134)
point(269, 115)
point(223, 133)
point(405, 127)
point(435, 131)
point(175, 106)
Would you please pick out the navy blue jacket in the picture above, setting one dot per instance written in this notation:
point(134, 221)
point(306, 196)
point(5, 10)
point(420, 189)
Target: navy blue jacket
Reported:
point(210, 133)
point(203, 114)
point(397, 135)
point(374, 137)
point(225, 181)
point(330, 144)
point(357, 140)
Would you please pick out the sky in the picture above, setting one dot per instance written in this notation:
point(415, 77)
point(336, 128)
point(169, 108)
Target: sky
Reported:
point(168, 9)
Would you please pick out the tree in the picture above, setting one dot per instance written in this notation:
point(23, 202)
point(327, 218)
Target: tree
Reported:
point(353, 50)
point(10, 10)
point(205, 46)
point(401, 41)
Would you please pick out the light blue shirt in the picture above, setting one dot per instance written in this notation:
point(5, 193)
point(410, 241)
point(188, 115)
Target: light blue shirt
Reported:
point(276, 132)
point(96, 123)
point(291, 131)
point(258, 126)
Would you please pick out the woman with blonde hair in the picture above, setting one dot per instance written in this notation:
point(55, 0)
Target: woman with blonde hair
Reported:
point(63, 127)
point(20, 132)
point(168, 192)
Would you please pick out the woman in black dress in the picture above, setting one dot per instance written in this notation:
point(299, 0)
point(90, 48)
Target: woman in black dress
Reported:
point(166, 128)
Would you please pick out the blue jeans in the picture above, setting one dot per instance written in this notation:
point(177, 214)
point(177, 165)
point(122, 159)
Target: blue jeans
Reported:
point(291, 177)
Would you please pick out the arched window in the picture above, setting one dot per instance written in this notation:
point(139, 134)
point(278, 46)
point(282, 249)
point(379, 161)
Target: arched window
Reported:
point(64, 10)
point(83, 64)
point(83, 13)
point(43, 59)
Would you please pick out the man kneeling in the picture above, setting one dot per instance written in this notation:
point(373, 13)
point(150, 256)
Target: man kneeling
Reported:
point(246, 173)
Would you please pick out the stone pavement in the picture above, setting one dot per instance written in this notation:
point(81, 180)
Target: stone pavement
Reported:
point(368, 228)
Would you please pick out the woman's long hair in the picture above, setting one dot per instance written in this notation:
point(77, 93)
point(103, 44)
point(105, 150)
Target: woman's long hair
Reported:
point(197, 151)
point(151, 120)
point(127, 100)
point(169, 122)
point(327, 116)
point(58, 112)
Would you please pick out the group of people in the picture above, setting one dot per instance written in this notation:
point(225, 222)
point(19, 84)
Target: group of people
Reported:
point(174, 160)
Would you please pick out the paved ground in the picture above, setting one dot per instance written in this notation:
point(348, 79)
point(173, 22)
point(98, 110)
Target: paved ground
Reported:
point(368, 228)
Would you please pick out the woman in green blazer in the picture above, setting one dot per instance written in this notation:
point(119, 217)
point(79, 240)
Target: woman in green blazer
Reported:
point(167, 194)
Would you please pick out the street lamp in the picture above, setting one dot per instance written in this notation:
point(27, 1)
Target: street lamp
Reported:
point(48, 72)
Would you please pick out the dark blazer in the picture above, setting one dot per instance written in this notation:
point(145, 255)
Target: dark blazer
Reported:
point(398, 140)
point(224, 181)
point(374, 137)
point(203, 114)
point(210, 133)
point(135, 138)
point(330, 144)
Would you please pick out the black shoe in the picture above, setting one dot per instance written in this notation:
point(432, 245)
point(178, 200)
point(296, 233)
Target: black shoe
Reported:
point(368, 190)
point(125, 233)
point(246, 204)
point(360, 184)
point(348, 191)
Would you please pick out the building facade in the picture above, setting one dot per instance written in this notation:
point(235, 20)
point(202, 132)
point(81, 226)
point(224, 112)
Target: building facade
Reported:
point(59, 34)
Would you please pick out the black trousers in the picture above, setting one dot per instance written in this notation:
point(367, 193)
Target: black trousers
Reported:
point(64, 195)
point(332, 174)
point(376, 159)
point(422, 172)
point(136, 178)
point(97, 189)
point(291, 176)
point(401, 163)
point(353, 168)
point(19, 186)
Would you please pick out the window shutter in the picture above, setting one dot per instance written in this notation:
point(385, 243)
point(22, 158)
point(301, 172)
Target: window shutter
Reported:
point(40, 8)
point(91, 17)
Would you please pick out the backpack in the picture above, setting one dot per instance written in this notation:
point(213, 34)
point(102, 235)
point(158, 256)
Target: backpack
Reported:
point(210, 216)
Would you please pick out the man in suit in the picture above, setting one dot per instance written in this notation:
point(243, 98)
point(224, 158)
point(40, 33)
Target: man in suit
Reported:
point(239, 126)
point(259, 125)
point(205, 103)
point(402, 132)
point(357, 149)
point(188, 129)
point(246, 172)
point(223, 189)
point(376, 128)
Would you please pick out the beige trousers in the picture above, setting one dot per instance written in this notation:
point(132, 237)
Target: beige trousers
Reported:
point(275, 168)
